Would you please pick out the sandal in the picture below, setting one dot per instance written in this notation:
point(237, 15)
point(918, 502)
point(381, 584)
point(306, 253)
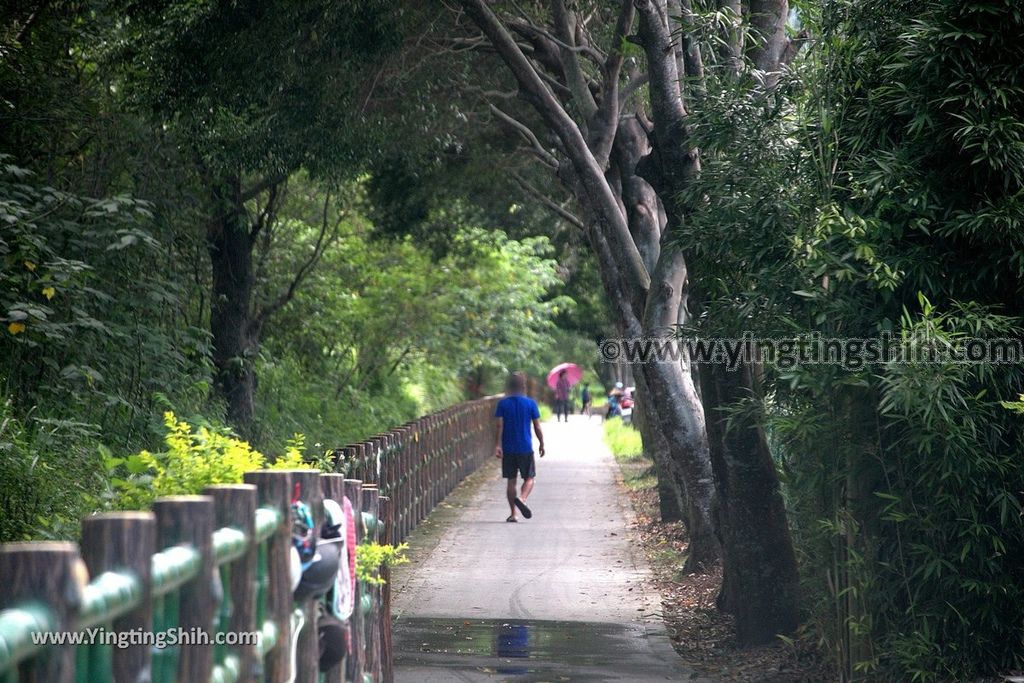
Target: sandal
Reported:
point(511, 519)
point(522, 508)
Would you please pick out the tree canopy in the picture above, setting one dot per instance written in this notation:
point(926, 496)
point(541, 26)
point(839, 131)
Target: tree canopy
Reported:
point(302, 223)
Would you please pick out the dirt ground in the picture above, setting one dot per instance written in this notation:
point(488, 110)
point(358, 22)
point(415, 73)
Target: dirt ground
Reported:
point(702, 635)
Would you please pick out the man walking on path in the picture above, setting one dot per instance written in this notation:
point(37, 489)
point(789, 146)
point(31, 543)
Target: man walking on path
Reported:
point(514, 444)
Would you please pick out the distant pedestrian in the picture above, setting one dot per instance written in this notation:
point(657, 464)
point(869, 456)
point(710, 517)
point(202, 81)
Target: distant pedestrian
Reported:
point(562, 387)
point(586, 399)
point(514, 444)
point(614, 401)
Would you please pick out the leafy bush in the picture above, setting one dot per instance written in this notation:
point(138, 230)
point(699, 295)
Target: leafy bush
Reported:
point(94, 337)
point(95, 322)
point(882, 175)
point(194, 459)
point(370, 557)
point(50, 476)
point(949, 548)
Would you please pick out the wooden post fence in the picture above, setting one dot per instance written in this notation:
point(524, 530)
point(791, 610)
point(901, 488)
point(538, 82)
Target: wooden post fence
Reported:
point(214, 570)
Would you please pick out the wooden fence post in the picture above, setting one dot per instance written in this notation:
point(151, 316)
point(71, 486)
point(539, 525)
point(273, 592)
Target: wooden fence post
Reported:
point(363, 470)
point(188, 520)
point(274, 490)
point(343, 459)
point(374, 463)
point(235, 506)
point(388, 478)
point(386, 508)
point(125, 542)
point(334, 488)
point(50, 573)
point(354, 663)
point(372, 631)
point(307, 483)
point(421, 485)
point(404, 479)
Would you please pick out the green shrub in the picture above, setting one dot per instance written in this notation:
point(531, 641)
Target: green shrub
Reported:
point(370, 557)
point(50, 476)
point(194, 459)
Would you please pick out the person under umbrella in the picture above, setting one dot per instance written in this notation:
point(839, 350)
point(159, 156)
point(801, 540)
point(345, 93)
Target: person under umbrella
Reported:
point(561, 379)
point(562, 387)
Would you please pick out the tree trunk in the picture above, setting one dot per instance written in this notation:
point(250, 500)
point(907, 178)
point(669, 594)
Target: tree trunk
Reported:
point(646, 218)
point(760, 569)
point(679, 410)
point(672, 503)
point(760, 581)
point(231, 321)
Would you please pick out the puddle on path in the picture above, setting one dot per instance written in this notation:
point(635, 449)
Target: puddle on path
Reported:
point(428, 650)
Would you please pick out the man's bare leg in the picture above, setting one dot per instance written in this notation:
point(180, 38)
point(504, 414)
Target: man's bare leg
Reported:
point(527, 488)
point(510, 493)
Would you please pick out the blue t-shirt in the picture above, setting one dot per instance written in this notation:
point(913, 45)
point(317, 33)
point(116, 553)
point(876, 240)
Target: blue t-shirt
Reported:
point(517, 413)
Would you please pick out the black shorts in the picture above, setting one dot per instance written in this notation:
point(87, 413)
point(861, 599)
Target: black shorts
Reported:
point(518, 463)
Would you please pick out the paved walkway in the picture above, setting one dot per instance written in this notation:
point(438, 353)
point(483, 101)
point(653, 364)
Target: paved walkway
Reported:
point(557, 597)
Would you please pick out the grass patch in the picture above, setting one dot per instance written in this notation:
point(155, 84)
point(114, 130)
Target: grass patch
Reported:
point(670, 560)
point(623, 440)
point(545, 411)
point(627, 447)
point(638, 478)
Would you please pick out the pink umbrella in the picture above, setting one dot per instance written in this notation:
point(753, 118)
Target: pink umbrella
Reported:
point(573, 373)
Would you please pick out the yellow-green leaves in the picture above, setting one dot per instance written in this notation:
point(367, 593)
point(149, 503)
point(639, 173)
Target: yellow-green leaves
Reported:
point(194, 459)
point(370, 557)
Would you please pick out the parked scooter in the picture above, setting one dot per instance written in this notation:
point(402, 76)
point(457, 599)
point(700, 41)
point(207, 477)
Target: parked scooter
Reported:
point(323, 567)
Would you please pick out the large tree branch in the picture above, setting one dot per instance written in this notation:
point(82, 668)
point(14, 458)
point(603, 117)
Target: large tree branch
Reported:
point(556, 86)
point(576, 46)
point(547, 201)
point(607, 119)
point(575, 77)
point(674, 161)
point(594, 185)
point(644, 210)
point(325, 237)
point(262, 185)
point(545, 50)
point(586, 50)
point(768, 20)
point(524, 131)
point(673, 16)
point(265, 216)
point(662, 69)
point(682, 19)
